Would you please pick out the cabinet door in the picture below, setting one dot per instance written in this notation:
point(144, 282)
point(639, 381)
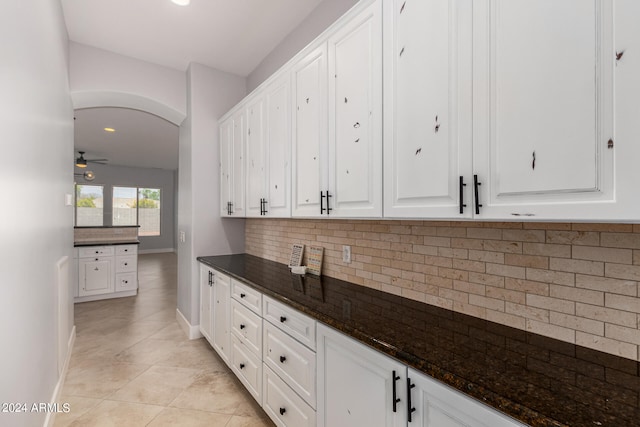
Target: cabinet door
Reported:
point(96, 276)
point(278, 195)
point(543, 108)
point(366, 398)
point(238, 164)
point(226, 147)
point(221, 315)
point(206, 287)
point(255, 153)
point(437, 405)
point(309, 143)
point(355, 116)
point(427, 91)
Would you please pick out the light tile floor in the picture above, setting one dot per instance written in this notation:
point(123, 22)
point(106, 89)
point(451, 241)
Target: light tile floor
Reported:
point(133, 366)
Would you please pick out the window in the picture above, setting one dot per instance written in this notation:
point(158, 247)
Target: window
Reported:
point(89, 205)
point(141, 206)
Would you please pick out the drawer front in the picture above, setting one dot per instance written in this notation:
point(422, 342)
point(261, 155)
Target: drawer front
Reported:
point(283, 405)
point(294, 362)
point(247, 326)
point(127, 250)
point(126, 264)
point(294, 323)
point(247, 367)
point(91, 251)
point(126, 282)
point(247, 296)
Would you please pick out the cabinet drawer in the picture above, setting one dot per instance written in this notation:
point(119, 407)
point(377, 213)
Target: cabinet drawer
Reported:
point(247, 296)
point(247, 326)
point(291, 321)
point(91, 251)
point(283, 405)
point(247, 367)
point(294, 362)
point(127, 250)
point(126, 282)
point(126, 264)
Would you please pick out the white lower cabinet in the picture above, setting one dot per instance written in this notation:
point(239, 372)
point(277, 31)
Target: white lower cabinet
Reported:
point(247, 366)
point(221, 305)
point(106, 272)
point(283, 405)
point(357, 385)
point(437, 405)
point(305, 374)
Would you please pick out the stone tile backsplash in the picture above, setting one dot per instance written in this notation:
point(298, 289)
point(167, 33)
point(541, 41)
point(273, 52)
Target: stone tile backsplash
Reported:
point(576, 282)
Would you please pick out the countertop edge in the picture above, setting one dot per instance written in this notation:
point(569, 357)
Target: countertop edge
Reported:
point(106, 243)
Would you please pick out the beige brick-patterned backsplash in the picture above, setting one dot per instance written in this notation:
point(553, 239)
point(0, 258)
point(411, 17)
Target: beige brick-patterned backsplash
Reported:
point(574, 282)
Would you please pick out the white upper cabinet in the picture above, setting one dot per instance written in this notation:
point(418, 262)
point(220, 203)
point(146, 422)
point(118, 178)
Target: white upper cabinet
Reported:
point(232, 171)
point(256, 148)
point(309, 145)
point(355, 116)
point(337, 122)
point(427, 108)
point(544, 85)
point(278, 156)
point(269, 151)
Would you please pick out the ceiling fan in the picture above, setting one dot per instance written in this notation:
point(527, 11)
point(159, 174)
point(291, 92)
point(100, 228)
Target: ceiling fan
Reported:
point(81, 162)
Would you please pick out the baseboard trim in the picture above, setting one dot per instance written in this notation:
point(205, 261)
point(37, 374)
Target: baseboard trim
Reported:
point(193, 332)
point(156, 251)
point(51, 416)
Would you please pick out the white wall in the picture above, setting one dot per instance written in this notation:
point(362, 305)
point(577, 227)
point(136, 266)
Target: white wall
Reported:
point(36, 117)
point(210, 94)
point(325, 14)
point(164, 179)
point(100, 77)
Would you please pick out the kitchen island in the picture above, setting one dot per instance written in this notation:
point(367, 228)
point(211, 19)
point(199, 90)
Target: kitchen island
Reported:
point(106, 262)
point(537, 380)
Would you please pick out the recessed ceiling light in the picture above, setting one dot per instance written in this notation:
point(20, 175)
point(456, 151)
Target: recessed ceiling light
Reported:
point(181, 2)
point(109, 130)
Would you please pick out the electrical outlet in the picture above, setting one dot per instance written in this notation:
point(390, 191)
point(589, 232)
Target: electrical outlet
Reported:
point(346, 254)
point(183, 237)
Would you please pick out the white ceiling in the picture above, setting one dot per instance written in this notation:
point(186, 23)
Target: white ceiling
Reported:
point(229, 35)
point(140, 139)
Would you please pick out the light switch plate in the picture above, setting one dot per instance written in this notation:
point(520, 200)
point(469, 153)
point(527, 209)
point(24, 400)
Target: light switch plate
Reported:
point(346, 254)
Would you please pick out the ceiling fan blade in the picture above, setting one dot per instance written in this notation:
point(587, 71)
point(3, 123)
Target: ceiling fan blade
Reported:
point(97, 160)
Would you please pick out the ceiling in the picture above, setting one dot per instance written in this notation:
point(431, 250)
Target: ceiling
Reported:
point(140, 139)
point(229, 35)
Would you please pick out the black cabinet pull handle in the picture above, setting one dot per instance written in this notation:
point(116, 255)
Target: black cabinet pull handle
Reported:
point(282, 411)
point(322, 209)
point(282, 359)
point(242, 366)
point(328, 208)
point(395, 398)
point(242, 295)
point(461, 191)
point(410, 408)
point(242, 326)
point(210, 278)
point(283, 319)
point(475, 192)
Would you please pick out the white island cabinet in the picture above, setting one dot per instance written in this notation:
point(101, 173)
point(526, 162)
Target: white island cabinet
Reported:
point(106, 271)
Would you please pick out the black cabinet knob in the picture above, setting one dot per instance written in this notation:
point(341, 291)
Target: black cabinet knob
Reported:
point(126, 263)
point(242, 295)
point(282, 359)
point(242, 366)
point(242, 326)
point(283, 319)
point(282, 411)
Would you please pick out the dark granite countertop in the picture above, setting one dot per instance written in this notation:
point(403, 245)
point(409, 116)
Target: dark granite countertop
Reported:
point(106, 226)
point(106, 243)
point(537, 380)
